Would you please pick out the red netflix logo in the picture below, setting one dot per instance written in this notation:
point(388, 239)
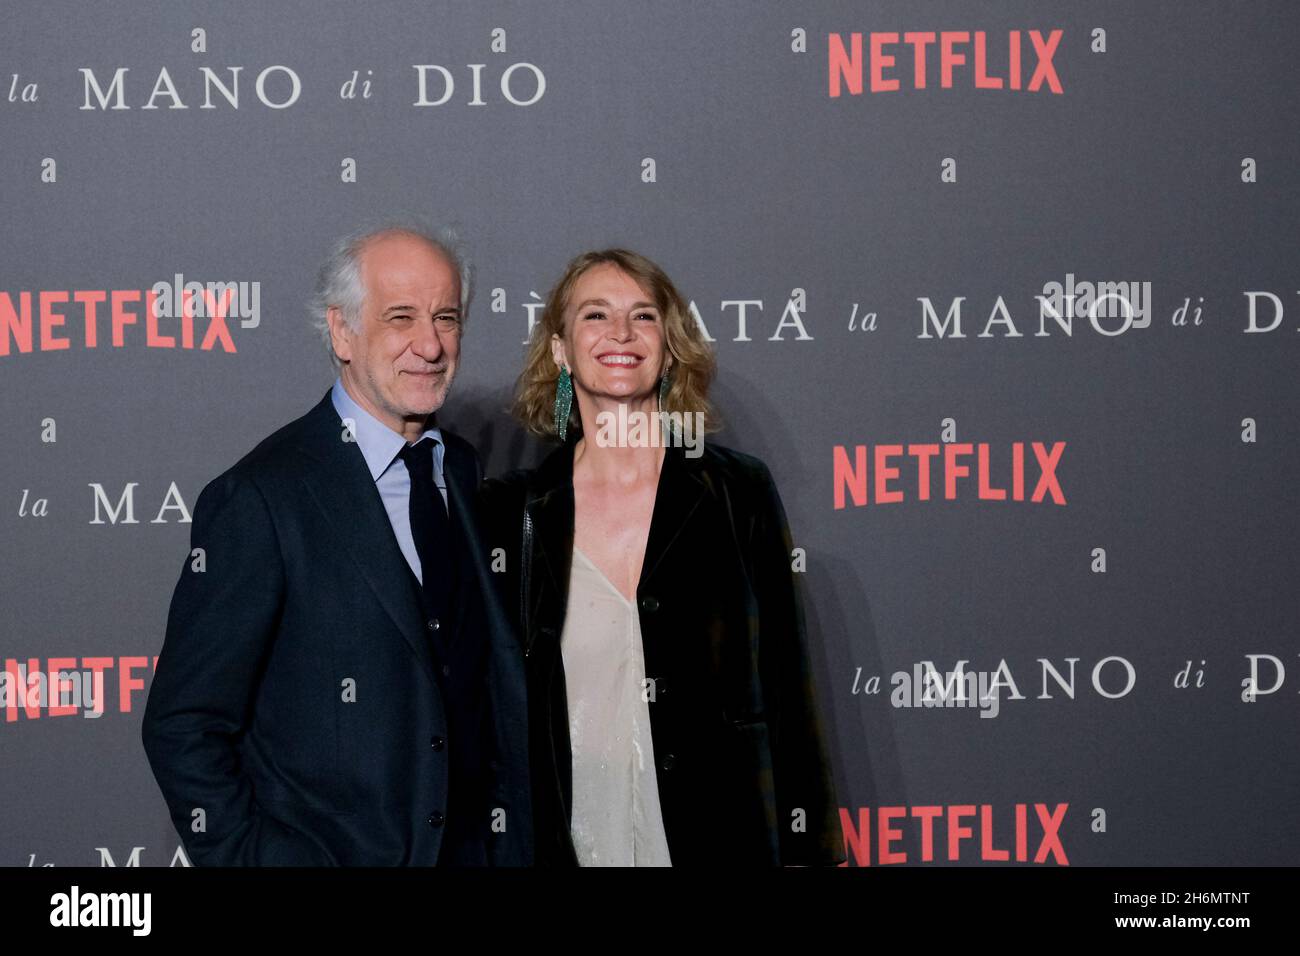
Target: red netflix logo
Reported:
point(851, 475)
point(169, 315)
point(845, 64)
point(888, 831)
point(64, 687)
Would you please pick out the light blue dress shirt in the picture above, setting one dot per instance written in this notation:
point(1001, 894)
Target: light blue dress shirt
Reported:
point(379, 446)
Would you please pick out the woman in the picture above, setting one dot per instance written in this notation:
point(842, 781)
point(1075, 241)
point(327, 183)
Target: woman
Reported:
point(672, 719)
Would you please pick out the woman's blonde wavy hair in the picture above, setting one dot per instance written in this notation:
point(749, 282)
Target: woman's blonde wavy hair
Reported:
point(693, 365)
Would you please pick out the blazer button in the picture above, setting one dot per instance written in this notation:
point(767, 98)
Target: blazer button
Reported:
point(649, 603)
point(433, 624)
point(437, 743)
point(436, 818)
point(668, 762)
point(446, 670)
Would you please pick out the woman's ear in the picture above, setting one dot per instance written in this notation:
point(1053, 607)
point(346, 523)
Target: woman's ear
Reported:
point(557, 350)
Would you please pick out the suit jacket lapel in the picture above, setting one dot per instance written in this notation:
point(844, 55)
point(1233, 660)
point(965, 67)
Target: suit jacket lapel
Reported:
point(552, 515)
point(681, 488)
point(346, 494)
point(462, 480)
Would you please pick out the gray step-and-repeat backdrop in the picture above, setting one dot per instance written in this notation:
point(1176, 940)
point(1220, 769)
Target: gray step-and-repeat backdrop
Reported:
point(1004, 293)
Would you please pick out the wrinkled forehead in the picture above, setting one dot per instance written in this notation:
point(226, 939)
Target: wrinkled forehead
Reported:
point(401, 264)
point(610, 283)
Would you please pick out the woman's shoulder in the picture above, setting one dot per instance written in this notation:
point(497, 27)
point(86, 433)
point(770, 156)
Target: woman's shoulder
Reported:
point(750, 487)
point(506, 487)
point(730, 464)
point(554, 469)
point(745, 483)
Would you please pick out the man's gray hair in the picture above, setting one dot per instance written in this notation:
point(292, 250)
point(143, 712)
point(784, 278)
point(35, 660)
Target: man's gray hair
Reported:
point(339, 281)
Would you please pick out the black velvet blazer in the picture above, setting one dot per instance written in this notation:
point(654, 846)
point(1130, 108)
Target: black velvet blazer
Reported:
point(740, 756)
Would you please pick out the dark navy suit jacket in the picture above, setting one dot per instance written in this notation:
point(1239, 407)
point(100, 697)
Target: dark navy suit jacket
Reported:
point(295, 717)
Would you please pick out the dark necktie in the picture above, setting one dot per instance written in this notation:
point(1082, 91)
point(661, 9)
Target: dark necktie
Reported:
point(431, 530)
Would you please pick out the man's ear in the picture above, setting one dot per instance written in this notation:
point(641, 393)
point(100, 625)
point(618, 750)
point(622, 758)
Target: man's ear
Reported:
point(557, 350)
point(340, 333)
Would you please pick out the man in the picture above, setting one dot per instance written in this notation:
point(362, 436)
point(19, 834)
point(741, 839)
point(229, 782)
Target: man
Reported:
point(339, 684)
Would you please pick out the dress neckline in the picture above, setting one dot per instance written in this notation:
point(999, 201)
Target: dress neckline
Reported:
point(577, 552)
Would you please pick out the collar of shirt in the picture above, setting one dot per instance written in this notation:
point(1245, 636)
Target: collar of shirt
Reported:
point(379, 444)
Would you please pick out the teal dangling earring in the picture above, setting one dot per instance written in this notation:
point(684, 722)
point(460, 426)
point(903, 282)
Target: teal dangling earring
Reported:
point(664, 420)
point(563, 402)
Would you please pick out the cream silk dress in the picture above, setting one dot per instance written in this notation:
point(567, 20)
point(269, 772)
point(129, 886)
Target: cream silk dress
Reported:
point(616, 815)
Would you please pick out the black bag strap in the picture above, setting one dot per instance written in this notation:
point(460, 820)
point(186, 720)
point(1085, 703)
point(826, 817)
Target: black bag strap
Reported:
point(526, 562)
